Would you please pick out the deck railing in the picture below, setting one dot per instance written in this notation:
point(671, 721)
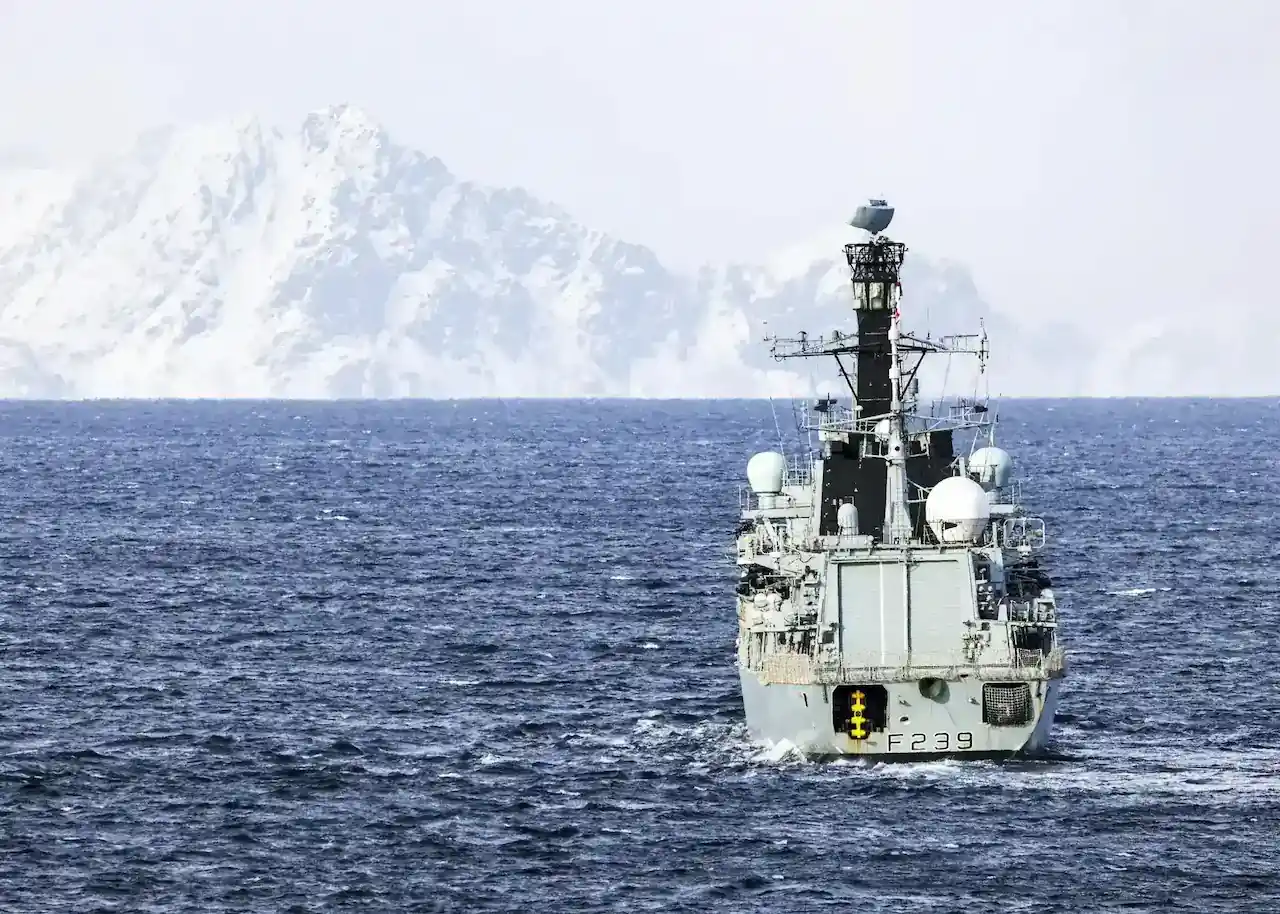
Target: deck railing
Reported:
point(799, 669)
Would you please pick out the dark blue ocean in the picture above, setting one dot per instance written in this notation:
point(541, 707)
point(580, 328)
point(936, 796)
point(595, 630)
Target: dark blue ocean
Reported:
point(478, 656)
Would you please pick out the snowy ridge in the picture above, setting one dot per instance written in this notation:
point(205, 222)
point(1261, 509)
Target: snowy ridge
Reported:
point(239, 260)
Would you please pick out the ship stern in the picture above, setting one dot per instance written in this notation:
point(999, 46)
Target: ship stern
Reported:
point(931, 718)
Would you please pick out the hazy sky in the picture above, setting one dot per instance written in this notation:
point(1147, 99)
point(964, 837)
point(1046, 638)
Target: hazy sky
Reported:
point(1099, 156)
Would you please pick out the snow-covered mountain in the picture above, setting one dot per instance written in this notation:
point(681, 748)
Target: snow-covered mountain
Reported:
point(239, 260)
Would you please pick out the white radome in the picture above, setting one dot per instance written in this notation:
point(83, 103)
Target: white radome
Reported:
point(957, 510)
point(993, 465)
point(765, 472)
point(847, 519)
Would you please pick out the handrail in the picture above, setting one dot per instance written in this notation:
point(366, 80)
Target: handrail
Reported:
point(800, 669)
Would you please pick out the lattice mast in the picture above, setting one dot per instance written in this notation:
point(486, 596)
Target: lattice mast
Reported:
point(875, 268)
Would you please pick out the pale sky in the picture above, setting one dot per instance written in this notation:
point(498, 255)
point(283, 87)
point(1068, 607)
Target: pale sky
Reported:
point(1098, 155)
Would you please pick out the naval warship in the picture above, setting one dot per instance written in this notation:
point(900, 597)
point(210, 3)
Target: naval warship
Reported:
point(892, 602)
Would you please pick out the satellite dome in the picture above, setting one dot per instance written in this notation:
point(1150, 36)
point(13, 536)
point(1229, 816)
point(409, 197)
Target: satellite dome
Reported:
point(765, 472)
point(957, 510)
point(847, 518)
point(993, 467)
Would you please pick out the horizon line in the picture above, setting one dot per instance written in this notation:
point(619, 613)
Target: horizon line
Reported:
point(587, 398)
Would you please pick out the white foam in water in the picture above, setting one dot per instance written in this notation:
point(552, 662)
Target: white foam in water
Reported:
point(779, 751)
point(1130, 774)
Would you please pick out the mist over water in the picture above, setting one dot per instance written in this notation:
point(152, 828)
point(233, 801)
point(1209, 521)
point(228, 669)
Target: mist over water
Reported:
point(478, 656)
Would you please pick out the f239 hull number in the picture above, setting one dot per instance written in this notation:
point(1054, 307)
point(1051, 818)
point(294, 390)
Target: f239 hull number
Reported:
point(929, 742)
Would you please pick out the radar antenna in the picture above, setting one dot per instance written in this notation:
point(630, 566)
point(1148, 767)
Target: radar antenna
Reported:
point(874, 217)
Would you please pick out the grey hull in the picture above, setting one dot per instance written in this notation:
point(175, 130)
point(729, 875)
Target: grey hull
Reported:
point(917, 727)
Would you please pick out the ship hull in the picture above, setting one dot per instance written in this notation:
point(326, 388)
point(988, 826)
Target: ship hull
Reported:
point(916, 727)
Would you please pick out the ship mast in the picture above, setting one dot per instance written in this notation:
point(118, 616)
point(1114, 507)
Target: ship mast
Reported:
point(875, 267)
point(869, 456)
point(897, 518)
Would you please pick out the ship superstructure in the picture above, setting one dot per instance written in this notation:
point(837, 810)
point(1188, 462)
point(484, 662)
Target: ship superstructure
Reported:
point(892, 601)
